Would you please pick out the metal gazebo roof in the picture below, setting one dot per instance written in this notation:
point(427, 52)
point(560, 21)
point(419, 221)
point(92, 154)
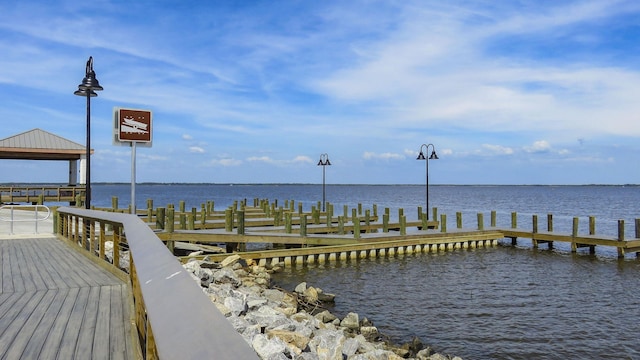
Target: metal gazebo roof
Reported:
point(38, 144)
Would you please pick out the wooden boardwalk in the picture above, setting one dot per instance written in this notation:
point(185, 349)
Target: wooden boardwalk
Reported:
point(57, 304)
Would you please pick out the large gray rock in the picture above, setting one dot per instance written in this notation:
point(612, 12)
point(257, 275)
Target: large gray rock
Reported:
point(351, 321)
point(328, 344)
point(376, 355)
point(226, 275)
point(325, 316)
point(237, 306)
point(266, 347)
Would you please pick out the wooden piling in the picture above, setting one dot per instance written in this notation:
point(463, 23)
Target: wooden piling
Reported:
point(443, 223)
point(459, 220)
point(574, 234)
point(228, 220)
point(303, 225)
point(620, 238)
point(493, 218)
point(480, 221)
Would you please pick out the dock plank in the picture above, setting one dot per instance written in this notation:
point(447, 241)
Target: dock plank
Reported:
point(119, 326)
point(101, 335)
point(27, 328)
point(17, 317)
point(56, 303)
point(40, 333)
point(87, 329)
point(51, 345)
point(69, 341)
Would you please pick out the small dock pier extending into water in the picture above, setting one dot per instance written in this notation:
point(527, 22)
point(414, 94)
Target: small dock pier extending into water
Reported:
point(300, 237)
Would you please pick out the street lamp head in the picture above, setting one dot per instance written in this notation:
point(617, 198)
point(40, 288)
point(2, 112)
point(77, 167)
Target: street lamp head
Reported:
point(421, 156)
point(83, 93)
point(433, 156)
point(90, 82)
point(324, 160)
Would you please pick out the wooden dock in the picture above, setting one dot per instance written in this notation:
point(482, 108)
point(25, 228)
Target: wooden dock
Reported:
point(57, 304)
point(42, 194)
point(347, 236)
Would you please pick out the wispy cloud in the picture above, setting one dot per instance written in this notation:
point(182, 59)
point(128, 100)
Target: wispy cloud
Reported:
point(258, 84)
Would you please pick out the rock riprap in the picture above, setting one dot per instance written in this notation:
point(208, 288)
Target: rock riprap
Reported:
point(293, 325)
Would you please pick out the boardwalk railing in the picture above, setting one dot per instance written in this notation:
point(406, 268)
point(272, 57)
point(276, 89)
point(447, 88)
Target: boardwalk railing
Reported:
point(173, 317)
point(14, 213)
point(35, 194)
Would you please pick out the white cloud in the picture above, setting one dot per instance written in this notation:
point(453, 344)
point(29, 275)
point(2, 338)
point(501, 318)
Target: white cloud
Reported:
point(382, 156)
point(538, 147)
point(196, 149)
point(187, 137)
point(498, 149)
point(225, 162)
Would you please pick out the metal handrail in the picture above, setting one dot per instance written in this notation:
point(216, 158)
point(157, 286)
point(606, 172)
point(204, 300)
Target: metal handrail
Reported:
point(35, 219)
point(173, 317)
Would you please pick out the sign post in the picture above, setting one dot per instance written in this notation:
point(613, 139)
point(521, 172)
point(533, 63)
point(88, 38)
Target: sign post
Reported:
point(132, 127)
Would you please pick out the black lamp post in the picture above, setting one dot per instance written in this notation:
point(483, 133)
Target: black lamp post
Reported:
point(86, 88)
point(324, 161)
point(433, 156)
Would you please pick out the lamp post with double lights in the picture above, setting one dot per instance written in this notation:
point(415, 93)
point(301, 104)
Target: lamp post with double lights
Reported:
point(88, 89)
point(422, 156)
point(324, 161)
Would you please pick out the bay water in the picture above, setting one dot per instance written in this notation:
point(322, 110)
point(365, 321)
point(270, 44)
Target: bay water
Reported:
point(504, 302)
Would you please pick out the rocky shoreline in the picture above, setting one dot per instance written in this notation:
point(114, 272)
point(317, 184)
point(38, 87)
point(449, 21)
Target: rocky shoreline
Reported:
point(293, 325)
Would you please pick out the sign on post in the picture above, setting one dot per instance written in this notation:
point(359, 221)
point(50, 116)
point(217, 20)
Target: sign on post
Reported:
point(132, 127)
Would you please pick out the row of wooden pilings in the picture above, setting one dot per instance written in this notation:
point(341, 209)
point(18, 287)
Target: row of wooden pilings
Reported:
point(381, 252)
point(165, 218)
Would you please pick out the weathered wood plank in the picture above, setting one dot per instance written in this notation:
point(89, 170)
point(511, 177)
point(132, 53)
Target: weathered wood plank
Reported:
point(15, 318)
point(69, 341)
point(28, 323)
point(7, 282)
point(102, 335)
point(14, 271)
point(51, 274)
point(73, 309)
point(10, 304)
point(51, 346)
point(40, 333)
point(31, 267)
point(118, 331)
point(85, 344)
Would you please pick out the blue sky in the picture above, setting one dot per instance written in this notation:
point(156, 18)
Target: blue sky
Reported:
point(509, 92)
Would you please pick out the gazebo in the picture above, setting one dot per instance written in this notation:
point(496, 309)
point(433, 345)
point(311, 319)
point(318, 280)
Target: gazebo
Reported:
point(38, 144)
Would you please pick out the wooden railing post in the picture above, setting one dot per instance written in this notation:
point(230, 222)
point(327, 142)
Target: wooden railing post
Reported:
point(303, 225)
point(228, 220)
point(620, 238)
point(356, 227)
point(240, 229)
point(514, 220)
point(160, 218)
point(170, 219)
point(493, 218)
point(574, 234)
point(385, 223)
point(459, 220)
point(443, 223)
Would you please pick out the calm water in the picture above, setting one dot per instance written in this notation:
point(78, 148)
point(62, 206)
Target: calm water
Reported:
point(493, 303)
